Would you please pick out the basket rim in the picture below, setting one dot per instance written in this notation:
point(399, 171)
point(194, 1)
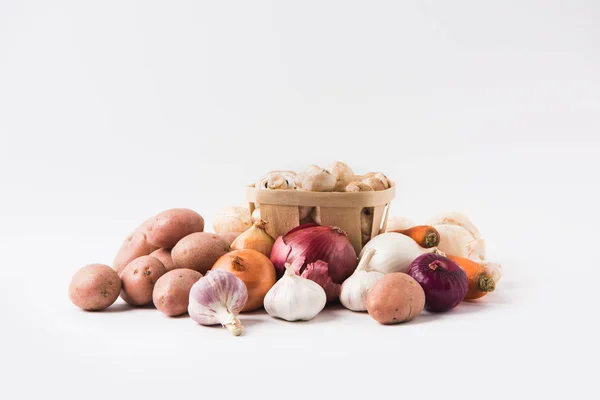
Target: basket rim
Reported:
point(320, 199)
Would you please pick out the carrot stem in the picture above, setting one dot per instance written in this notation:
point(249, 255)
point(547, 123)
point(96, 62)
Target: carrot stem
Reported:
point(426, 236)
point(486, 284)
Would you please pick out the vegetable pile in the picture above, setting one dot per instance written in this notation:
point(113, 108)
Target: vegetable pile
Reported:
point(171, 262)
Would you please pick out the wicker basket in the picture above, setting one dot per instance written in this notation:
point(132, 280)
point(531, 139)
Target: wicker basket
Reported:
point(280, 209)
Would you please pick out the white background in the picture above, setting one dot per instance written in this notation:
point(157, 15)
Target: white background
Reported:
point(112, 111)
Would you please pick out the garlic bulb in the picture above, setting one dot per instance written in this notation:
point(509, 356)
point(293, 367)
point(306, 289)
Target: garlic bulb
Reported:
point(354, 291)
point(218, 298)
point(319, 181)
point(343, 175)
point(294, 298)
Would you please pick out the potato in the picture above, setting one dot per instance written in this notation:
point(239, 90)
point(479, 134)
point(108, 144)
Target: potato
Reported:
point(168, 227)
point(138, 279)
point(229, 237)
point(163, 230)
point(94, 287)
point(171, 293)
point(164, 255)
point(199, 251)
point(134, 246)
point(395, 298)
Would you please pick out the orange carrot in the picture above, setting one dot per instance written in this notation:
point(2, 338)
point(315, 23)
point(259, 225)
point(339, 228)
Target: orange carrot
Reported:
point(480, 280)
point(426, 236)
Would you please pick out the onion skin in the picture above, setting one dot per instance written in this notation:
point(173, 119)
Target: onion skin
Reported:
point(444, 282)
point(254, 269)
point(320, 253)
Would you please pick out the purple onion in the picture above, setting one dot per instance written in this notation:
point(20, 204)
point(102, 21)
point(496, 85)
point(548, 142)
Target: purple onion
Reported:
point(444, 282)
point(322, 254)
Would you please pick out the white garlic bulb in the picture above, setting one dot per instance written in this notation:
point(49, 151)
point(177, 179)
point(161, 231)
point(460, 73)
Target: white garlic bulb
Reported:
point(354, 291)
point(294, 298)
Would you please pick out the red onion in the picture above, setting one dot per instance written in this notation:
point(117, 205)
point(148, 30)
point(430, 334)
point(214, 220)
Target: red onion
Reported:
point(444, 282)
point(320, 253)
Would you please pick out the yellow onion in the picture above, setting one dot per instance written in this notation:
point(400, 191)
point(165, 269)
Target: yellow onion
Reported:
point(255, 238)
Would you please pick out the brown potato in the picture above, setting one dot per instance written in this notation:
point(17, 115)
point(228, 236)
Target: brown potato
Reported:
point(163, 230)
point(164, 255)
point(168, 227)
point(395, 298)
point(138, 279)
point(94, 287)
point(199, 251)
point(171, 293)
point(134, 246)
point(229, 237)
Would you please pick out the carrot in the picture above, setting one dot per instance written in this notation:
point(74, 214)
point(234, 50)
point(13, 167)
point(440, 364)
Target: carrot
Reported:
point(480, 280)
point(426, 236)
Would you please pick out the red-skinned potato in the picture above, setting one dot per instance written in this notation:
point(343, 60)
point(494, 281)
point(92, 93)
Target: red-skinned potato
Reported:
point(395, 298)
point(134, 246)
point(94, 287)
point(164, 255)
point(171, 293)
point(138, 279)
point(199, 251)
point(229, 237)
point(168, 227)
point(163, 230)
